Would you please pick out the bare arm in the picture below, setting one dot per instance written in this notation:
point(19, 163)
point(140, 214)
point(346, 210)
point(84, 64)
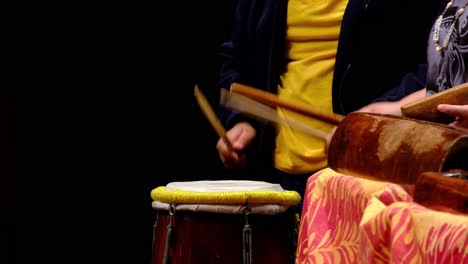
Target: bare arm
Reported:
point(393, 108)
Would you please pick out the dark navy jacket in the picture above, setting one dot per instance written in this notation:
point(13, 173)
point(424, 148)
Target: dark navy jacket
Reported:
point(381, 54)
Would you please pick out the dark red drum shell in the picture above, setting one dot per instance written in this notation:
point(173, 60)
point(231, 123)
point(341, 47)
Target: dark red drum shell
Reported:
point(442, 193)
point(200, 237)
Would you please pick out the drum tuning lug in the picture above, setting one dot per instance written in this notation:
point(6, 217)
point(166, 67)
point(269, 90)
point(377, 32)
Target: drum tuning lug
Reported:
point(172, 209)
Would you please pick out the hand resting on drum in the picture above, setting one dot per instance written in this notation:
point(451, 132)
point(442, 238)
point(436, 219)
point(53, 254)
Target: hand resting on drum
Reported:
point(460, 112)
point(241, 135)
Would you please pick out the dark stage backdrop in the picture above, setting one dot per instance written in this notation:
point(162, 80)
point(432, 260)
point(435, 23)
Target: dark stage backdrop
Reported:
point(103, 112)
point(6, 150)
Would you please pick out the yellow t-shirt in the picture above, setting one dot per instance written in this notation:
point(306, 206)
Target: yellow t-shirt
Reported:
point(313, 29)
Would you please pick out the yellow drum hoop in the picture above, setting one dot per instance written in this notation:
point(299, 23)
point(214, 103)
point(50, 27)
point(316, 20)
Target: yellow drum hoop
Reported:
point(286, 197)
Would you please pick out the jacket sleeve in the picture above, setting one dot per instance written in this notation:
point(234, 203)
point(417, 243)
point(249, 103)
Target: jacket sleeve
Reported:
point(230, 54)
point(410, 83)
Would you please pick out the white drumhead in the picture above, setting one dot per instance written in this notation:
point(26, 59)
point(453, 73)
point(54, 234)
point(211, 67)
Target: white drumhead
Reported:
point(224, 186)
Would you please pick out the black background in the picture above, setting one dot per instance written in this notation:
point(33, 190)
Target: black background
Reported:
point(97, 109)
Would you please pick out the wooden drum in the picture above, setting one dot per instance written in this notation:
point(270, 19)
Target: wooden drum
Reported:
point(395, 149)
point(224, 222)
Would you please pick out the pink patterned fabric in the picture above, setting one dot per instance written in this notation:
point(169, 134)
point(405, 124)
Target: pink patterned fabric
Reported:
point(346, 219)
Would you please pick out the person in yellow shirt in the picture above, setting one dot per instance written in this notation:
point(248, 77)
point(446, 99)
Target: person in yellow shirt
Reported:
point(339, 55)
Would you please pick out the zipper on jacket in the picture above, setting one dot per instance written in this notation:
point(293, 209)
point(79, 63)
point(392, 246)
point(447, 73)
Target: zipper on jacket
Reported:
point(269, 78)
point(366, 4)
point(270, 52)
point(341, 88)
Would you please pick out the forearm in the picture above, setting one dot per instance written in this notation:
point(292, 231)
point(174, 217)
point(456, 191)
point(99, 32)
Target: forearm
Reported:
point(415, 96)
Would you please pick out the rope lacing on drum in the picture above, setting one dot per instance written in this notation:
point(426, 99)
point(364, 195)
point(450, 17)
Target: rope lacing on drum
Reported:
point(235, 197)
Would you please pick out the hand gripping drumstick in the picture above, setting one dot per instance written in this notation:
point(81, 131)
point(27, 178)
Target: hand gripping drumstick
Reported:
point(211, 116)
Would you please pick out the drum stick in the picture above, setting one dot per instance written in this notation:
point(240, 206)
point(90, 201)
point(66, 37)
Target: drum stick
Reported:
point(211, 116)
point(426, 108)
point(261, 111)
point(274, 101)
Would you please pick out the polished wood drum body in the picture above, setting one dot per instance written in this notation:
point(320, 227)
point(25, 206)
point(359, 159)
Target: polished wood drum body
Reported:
point(395, 149)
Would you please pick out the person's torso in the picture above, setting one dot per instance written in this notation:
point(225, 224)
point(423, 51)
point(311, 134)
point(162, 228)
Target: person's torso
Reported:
point(380, 42)
point(448, 53)
point(313, 28)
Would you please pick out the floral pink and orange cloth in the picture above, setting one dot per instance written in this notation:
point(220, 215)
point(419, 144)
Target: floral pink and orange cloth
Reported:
point(346, 219)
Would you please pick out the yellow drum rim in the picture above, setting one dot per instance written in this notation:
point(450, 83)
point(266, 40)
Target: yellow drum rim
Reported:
point(286, 197)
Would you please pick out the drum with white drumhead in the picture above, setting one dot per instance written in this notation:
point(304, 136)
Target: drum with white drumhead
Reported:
point(224, 222)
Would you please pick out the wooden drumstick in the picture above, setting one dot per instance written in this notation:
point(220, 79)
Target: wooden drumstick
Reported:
point(261, 111)
point(274, 101)
point(211, 116)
